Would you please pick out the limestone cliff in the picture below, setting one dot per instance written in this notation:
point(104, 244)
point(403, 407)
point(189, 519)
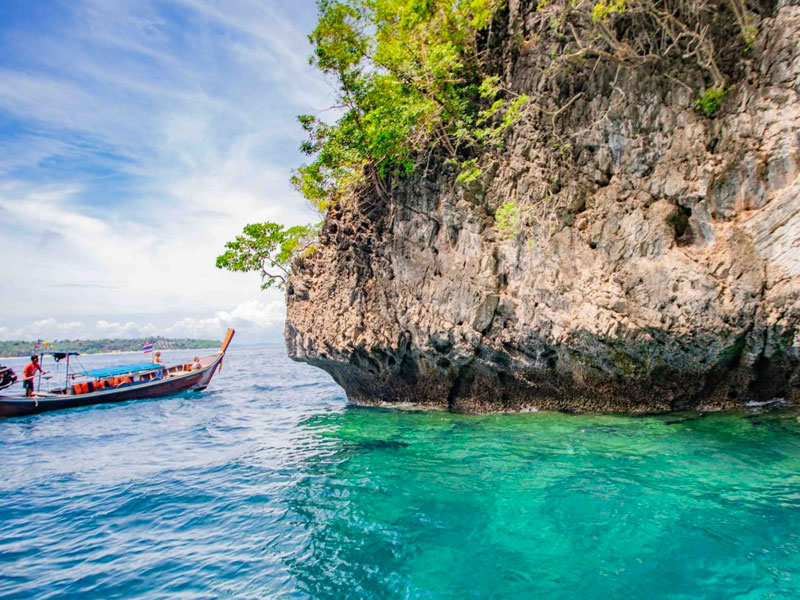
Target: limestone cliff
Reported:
point(657, 266)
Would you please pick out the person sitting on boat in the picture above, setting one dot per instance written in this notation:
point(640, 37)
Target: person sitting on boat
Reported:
point(28, 374)
point(157, 359)
point(196, 366)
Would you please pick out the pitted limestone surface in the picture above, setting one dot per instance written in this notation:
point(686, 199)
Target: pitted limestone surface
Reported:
point(658, 267)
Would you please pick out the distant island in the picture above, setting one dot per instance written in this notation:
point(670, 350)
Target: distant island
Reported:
point(24, 348)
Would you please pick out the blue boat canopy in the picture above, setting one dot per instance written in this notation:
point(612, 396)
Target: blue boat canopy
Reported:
point(121, 370)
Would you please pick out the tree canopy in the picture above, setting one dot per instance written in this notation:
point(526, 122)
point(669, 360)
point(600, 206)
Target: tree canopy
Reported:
point(410, 79)
point(267, 249)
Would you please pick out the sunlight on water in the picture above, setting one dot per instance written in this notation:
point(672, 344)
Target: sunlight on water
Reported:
point(267, 486)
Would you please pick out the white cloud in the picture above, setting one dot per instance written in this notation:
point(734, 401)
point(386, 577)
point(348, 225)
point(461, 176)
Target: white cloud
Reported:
point(167, 136)
point(57, 329)
point(251, 315)
point(130, 329)
point(8, 333)
point(253, 320)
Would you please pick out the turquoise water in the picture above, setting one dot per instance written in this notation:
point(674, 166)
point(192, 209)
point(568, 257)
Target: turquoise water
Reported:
point(268, 486)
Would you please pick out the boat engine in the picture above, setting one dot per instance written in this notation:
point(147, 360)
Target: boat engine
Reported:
point(7, 377)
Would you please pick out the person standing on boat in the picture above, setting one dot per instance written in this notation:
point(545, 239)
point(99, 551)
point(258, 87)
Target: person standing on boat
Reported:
point(28, 373)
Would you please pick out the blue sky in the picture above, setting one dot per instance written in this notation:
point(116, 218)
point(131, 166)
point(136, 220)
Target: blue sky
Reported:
point(136, 137)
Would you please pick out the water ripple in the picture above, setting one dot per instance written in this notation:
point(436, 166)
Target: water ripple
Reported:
point(268, 486)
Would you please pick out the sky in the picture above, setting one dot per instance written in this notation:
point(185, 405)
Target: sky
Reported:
point(136, 138)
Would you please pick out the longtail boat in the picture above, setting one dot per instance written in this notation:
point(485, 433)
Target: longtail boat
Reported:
point(113, 384)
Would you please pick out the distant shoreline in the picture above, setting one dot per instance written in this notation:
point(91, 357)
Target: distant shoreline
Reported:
point(116, 352)
point(21, 348)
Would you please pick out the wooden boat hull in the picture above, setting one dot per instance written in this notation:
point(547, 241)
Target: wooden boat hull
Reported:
point(17, 406)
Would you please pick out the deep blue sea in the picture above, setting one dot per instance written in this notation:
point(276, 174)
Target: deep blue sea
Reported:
point(268, 485)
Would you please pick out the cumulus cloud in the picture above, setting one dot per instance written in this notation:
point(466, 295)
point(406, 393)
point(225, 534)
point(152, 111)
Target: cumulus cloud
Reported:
point(253, 320)
point(130, 329)
point(251, 315)
point(12, 333)
point(56, 328)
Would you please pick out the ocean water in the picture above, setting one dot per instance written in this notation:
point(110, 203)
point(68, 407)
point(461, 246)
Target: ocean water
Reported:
point(268, 485)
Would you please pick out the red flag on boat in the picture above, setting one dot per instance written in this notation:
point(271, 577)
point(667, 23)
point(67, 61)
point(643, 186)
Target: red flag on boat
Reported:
point(148, 347)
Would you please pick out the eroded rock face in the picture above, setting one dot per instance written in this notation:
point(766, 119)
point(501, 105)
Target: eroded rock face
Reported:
point(658, 268)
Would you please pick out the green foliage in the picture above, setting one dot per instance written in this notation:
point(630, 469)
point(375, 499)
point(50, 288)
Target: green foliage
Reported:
point(334, 165)
point(709, 101)
point(507, 220)
point(490, 87)
point(492, 129)
point(470, 171)
point(750, 34)
point(602, 10)
point(409, 79)
point(268, 249)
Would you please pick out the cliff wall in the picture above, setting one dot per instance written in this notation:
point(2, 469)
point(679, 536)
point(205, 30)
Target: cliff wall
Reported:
point(656, 265)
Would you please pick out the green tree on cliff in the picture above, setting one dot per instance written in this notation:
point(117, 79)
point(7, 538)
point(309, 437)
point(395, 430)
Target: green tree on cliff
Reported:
point(267, 249)
point(410, 81)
